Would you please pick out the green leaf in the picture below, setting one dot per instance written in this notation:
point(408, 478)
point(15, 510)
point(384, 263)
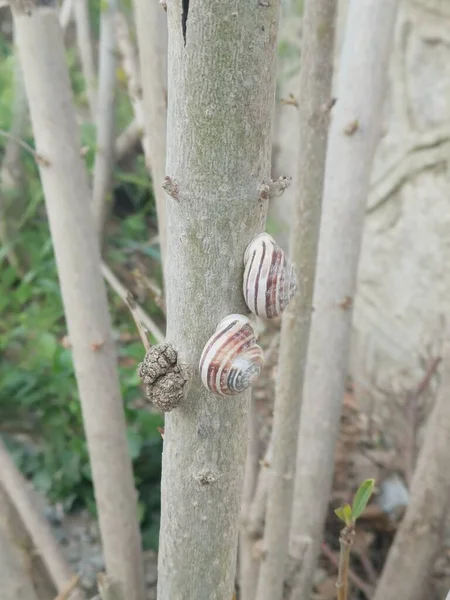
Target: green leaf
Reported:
point(362, 497)
point(344, 513)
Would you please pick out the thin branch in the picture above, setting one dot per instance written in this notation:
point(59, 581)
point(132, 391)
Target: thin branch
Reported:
point(365, 588)
point(105, 117)
point(131, 67)
point(67, 590)
point(346, 542)
point(37, 157)
point(123, 292)
point(131, 303)
point(315, 90)
point(15, 486)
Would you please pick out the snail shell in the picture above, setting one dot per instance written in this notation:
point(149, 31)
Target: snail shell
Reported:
point(231, 359)
point(270, 282)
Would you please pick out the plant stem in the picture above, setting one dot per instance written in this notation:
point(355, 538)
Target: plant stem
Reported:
point(345, 542)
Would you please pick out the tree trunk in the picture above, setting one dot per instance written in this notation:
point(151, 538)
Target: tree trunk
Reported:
point(418, 540)
point(12, 184)
point(314, 107)
point(15, 563)
point(248, 565)
point(86, 52)
point(286, 132)
point(105, 118)
point(151, 29)
point(354, 133)
point(14, 484)
point(221, 100)
point(77, 252)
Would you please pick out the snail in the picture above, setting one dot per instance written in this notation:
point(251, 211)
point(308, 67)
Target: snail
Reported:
point(231, 359)
point(270, 282)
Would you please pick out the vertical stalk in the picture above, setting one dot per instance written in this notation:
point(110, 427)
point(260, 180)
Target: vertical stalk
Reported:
point(221, 104)
point(314, 106)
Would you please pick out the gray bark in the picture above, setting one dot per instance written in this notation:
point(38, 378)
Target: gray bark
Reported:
point(314, 101)
point(77, 252)
point(151, 29)
point(221, 100)
point(86, 52)
point(11, 174)
point(105, 116)
point(418, 539)
point(15, 571)
point(248, 565)
point(354, 133)
point(14, 485)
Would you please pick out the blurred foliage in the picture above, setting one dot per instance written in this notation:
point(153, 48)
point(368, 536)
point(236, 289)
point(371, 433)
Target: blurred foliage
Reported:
point(41, 419)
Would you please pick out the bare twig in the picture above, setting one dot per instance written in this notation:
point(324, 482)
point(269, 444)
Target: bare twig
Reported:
point(151, 286)
point(133, 309)
point(37, 157)
point(345, 541)
point(334, 559)
point(69, 587)
point(123, 292)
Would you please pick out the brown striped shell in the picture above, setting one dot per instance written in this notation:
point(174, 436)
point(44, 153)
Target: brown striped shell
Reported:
point(270, 282)
point(231, 359)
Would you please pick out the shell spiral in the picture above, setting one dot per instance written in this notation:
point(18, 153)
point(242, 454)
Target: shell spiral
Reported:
point(270, 282)
point(231, 359)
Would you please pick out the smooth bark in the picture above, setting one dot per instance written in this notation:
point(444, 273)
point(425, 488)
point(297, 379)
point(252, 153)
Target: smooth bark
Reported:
point(127, 140)
point(14, 484)
point(419, 538)
point(15, 572)
point(105, 116)
point(77, 253)
point(131, 68)
point(221, 101)
point(151, 30)
point(248, 565)
point(86, 52)
point(314, 100)
point(354, 133)
point(12, 175)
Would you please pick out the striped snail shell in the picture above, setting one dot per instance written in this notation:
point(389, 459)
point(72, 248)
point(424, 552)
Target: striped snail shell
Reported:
point(270, 282)
point(231, 359)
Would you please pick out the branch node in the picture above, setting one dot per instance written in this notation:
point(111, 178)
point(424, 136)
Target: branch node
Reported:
point(274, 189)
point(163, 4)
point(291, 100)
point(171, 187)
point(352, 127)
point(206, 477)
point(328, 105)
point(279, 186)
point(164, 376)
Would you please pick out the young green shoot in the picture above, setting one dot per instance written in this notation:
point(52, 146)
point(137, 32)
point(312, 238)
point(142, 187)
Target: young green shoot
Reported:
point(349, 514)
